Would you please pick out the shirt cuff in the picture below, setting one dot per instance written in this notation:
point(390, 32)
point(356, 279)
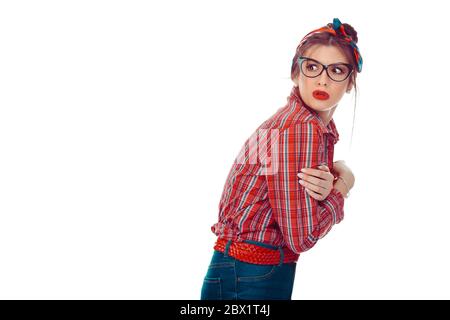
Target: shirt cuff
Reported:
point(336, 200)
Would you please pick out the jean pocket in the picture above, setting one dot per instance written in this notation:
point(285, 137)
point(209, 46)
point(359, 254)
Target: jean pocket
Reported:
point(249, 272)
point(211, 289)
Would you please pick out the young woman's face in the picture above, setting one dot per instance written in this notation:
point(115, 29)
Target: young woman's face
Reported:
point(326, 55)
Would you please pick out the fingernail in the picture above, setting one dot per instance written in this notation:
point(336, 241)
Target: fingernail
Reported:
point(303, 170)
point(301, 182)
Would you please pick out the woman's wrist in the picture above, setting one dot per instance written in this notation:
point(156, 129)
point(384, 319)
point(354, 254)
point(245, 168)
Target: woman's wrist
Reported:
point(348, 177)
point(344, 183)
point(340, 186)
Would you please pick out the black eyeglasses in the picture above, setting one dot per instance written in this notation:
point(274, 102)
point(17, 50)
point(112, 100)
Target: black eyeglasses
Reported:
point(312, 68)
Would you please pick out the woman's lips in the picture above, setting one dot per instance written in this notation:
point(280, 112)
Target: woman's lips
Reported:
point(320, 95)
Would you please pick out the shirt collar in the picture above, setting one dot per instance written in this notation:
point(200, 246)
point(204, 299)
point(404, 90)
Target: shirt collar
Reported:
point(326, 129)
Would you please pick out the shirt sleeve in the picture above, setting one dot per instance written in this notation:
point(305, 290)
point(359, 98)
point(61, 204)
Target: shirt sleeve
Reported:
point(302, 219)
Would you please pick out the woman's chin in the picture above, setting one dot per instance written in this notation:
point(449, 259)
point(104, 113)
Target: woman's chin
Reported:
point(319, 105)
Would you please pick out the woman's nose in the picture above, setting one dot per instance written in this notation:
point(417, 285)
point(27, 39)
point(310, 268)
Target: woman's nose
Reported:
point(323, 78)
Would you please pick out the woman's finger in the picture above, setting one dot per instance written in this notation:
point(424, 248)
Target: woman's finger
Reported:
point(322, 175)
point(313, 194)
point(317, 189)
point(313, 180)
point(315, 172)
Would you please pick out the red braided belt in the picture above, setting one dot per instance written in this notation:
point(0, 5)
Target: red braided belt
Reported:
point(252, 253)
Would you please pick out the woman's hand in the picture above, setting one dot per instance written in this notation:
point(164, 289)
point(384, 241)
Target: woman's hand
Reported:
point(344, 171)
point(340, 167)
point(317, 182)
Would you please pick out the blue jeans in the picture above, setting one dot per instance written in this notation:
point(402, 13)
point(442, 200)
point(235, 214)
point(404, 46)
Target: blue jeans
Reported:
point(230, 279)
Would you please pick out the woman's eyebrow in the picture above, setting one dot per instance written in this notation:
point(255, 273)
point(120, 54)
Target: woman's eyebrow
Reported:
point(329, 63)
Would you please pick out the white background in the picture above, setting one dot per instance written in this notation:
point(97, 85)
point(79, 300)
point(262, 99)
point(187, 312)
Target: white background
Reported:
point(119, 122)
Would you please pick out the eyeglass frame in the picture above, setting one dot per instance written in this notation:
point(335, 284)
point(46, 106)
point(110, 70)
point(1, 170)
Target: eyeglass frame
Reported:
point(324, 67)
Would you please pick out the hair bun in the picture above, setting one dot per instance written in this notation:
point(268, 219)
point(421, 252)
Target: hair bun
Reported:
point(351, 32)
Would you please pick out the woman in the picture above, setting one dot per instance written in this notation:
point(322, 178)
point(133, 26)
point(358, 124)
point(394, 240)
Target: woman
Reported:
point(267, 217)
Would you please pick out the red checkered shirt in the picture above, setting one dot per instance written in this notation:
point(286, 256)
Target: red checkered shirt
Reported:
point(262, 199)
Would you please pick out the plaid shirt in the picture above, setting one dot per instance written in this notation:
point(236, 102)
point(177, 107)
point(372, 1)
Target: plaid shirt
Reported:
point(262, 199)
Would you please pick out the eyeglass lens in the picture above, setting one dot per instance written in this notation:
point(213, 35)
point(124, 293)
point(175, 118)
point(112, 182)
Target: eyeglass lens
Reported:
point(337, 72)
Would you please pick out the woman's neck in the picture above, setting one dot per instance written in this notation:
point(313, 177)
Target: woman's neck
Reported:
point(326, 115)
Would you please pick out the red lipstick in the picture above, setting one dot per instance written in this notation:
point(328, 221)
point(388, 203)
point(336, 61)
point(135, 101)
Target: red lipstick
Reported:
point(320, 95)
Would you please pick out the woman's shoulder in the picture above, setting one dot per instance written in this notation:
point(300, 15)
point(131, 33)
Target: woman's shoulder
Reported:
point(291, 115)
point(302, 121)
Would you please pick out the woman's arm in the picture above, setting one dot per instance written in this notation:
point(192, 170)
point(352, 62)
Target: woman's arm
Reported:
point(302, 219)
point(346, 173)
point(341, 187)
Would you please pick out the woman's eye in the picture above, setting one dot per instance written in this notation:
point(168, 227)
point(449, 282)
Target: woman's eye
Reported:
point(311, 67)
point(337, 70)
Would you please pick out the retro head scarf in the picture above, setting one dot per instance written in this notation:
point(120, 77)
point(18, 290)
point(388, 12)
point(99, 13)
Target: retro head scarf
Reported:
point(337, 29)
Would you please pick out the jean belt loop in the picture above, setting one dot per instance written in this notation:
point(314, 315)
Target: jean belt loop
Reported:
point(281, 256)
point(227, 248)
